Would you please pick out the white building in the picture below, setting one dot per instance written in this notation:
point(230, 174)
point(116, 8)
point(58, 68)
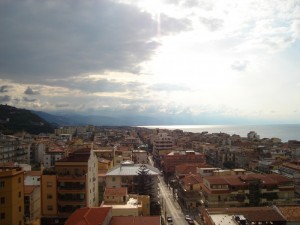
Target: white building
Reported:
point(125, 175)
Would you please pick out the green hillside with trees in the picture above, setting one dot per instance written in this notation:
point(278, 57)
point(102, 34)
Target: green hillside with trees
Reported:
point(14, 120)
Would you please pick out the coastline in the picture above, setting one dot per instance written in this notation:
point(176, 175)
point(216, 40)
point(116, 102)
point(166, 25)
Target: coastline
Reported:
point(285, 132)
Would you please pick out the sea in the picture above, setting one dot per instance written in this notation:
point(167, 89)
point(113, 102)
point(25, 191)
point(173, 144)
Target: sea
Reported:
point(285, 132)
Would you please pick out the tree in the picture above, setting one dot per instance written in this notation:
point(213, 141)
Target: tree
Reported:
point(144, 181)
point(145, 187)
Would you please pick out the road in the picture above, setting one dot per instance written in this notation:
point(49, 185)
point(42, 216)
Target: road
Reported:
point(170, 206)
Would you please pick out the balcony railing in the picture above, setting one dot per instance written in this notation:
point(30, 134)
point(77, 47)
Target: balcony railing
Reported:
point(72, 202)
point(71, 191)
point(264, 190)
point(71, 178)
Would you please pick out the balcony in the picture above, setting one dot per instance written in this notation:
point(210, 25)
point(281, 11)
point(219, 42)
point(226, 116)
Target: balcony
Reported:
point(71, 191)
point(73, 178)
point(264, 190)
point(72, 202)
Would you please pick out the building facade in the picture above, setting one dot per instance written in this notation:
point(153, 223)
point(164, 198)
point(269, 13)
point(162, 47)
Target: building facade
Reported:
point(11, 195)
point(73, 184)
point(247, 190)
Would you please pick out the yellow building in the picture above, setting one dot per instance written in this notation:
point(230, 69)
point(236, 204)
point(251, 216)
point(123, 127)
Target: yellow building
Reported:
point(11, 195)
point(32, 204)
point(71, 185)
point(124, 204)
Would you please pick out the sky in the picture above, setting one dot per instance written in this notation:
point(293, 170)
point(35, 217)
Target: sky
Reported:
point(211, 61)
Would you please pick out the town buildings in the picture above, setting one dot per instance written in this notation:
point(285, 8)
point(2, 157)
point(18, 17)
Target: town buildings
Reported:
point(174, 158)
point(32, 204)
point(163, 144)
point(72, 184)
point(12, 149)
point(126, 175)
point(247, 190)
point(11, 195)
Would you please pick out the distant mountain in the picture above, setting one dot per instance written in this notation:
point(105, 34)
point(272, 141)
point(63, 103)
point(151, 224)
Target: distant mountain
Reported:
point(14, 120)
point(71, 119)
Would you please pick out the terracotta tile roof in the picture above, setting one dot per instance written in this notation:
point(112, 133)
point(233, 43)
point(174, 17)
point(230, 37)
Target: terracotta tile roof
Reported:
point(234, 181)
point(212, 191)
point(290, 213)
point(192, 179)
point(115, 191)
point(279, 178)
point(81, 155)
point(190, 168)
point(135, 220)
point(28, 189)
point(215, 180)
point(88, 216)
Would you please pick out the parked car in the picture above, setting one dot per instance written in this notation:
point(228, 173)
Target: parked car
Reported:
point(187, 217)
point(169, 219)
point(191, 222)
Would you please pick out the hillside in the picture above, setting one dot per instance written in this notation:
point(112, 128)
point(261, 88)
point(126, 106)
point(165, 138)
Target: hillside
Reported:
point(13, 120)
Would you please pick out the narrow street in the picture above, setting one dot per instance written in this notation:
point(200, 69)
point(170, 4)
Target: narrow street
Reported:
point(170, 206)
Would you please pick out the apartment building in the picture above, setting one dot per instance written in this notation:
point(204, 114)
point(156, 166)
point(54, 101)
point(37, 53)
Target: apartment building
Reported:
point(12, 149)
point(126, 174)
point(244, 216)
point(140, 156)
point(193, 168)
point(247, 190)
point(121, 154)
point(32, 204)
point(292, 171)
point(11, 195)
point(131, 141)
point(176, 158)
point(124, 204)
point(189, 195)
point(72, 184)
point(163, 144)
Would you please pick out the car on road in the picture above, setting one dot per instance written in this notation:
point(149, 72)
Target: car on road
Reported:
point(169, 219)
point(187, 217)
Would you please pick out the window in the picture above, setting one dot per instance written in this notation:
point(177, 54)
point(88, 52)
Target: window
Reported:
point(2, 200)
point(50, 207)
point(49, 184)
point(19, 194)
point(2, 184)
point(2, 216)
point(113, 179)
point(49, 196)
point(20, 208)
point(19, 179)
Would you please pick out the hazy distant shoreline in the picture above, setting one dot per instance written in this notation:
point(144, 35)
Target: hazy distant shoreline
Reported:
point(283, 131)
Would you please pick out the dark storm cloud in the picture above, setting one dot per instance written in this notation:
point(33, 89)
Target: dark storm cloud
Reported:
point(62, 105)
point(29, 91)
point(5, 98)
point(4, 88)
point(47, 39)
point(102, 85)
